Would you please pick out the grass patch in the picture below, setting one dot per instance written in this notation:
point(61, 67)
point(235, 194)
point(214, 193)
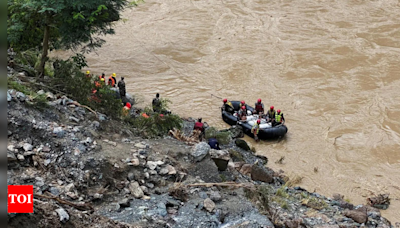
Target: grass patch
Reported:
point(281, 192)
point(38, 101)
point(314, 203)
point(293, 181)
point(235, 155)
point(262, 194)
point(223, 177)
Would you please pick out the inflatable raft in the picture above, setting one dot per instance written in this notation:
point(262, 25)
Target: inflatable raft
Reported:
point(266, 130)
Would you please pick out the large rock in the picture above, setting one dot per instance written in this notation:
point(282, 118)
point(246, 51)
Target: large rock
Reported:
point(359, 215)
point(221, 154)
point(200, 151)
point(236, 131)
point(242, 144)
point(64, 217)
point(259, 174)
point(209, 205)
point(135, 189)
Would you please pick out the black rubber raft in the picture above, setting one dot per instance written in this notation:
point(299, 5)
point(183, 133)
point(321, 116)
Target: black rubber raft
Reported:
point(264, 132)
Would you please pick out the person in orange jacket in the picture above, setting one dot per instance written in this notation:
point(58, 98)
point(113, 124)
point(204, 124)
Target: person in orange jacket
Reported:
point(112, 80)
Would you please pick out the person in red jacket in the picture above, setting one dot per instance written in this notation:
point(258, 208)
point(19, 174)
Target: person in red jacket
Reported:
point(199, 126)
point(259, 108)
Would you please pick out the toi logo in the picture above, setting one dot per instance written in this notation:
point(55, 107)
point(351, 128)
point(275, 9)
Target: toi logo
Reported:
point(20, 199)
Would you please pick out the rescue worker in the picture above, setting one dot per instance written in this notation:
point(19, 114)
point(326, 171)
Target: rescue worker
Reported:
point(126, 108)
point(199, 126)
point(102, 78)
point(156, 103)
point(259, 108)
point(112, 80)
point(271, 114)
point(214, 144)
point(255, 129)
point(242, 114)
point(279, 119)
point(227, 106)
point(88, 74)
point(121, 87)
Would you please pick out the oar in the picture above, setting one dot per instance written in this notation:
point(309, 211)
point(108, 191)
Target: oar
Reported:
point(216, 96)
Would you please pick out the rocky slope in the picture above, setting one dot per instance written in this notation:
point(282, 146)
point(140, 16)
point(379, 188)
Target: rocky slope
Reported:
point(89, 170)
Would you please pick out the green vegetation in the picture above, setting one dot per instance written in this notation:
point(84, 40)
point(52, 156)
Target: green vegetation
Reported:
point(236, 155)
point(49, 24)
point(314, 203)
point(39, 101)
point(262, 194)
point(155, 124)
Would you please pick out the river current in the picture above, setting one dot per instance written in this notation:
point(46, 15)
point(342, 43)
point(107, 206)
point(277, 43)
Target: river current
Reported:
point(332, 67)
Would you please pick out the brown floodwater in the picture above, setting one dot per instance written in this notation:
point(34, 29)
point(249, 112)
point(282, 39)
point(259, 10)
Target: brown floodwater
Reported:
point(332, 67)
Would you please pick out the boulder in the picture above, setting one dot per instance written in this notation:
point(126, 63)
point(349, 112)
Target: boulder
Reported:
point(64, 217)
point(236, 131)
point(135, 189)
point(209, 205)
point(259, 174)
point(242, 144)
point(200, 151)
point(245, 169)
point(215, 196)
point(124, 202)
point(221, 154)
point(27, 147)
point(359, 215)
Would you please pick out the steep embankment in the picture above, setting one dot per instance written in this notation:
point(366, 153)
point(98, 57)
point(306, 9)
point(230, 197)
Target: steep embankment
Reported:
point(90, 170)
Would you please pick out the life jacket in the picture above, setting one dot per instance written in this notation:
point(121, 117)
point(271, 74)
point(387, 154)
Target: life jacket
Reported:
point(145, 115)
point(278, 117)
point(97, 84)
point(259, 107)
point(112, 81)
point(229, 104)
point(199, 126)
point(125, 111)
point(271, 113)
point(255, 128)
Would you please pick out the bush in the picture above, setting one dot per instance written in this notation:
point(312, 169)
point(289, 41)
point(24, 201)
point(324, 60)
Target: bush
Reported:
point(69, 79)
point(155, 125)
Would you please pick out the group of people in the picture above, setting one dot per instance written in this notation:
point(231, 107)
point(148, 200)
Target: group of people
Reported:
point(271, 116)
point(112, 82)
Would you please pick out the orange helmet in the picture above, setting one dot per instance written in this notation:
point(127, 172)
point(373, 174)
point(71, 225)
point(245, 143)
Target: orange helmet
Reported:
point(243, 107)
point(225, 100)
point(272, 107)
point(259, 100)
point(258, 121)
point(279, 111)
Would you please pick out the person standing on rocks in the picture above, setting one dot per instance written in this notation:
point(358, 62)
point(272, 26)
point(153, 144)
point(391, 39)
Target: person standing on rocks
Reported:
point(112, 80)
point(121, 86)
point(156, 103)
point(255, 129)
point(199, 126)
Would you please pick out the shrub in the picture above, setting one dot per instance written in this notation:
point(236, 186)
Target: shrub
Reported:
point(69, 79)
point(155, 125)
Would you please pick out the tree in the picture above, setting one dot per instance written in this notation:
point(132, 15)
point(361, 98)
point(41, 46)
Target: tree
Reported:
point(61, 24)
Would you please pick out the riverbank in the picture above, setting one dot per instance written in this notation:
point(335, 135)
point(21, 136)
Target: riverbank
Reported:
point(89, 169)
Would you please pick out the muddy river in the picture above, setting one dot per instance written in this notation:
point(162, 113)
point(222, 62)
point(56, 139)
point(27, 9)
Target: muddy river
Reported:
point(332, 67)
